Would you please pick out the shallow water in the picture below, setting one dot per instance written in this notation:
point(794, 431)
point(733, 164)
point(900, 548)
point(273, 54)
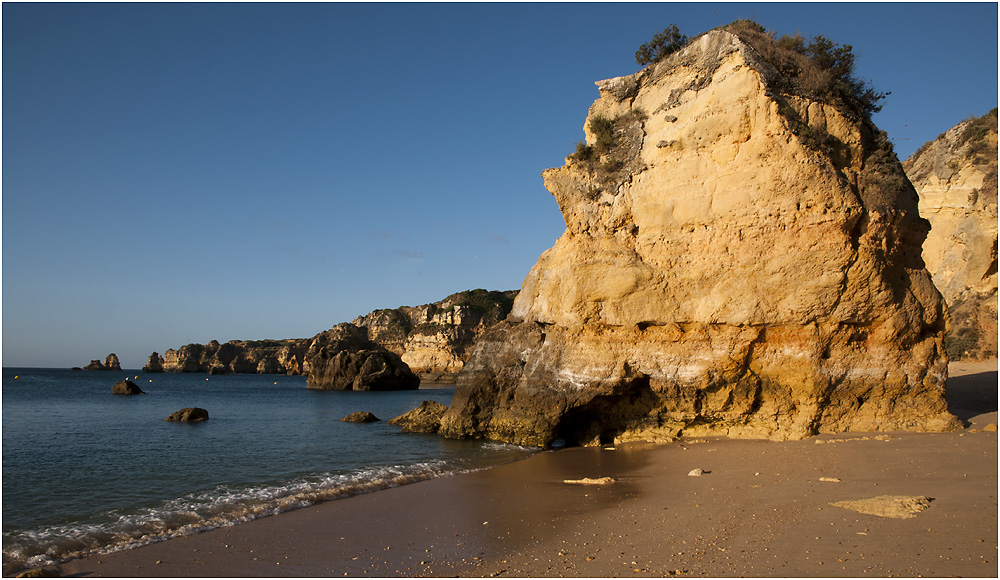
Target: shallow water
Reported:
point(85, 471)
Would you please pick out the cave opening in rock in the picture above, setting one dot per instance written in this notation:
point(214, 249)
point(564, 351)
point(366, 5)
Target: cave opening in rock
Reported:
point(604, 417)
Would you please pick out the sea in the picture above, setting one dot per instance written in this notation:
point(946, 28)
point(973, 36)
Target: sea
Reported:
point(86, 472)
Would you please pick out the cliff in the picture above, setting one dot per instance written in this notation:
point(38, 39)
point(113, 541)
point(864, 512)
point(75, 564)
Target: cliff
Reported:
point(435, 340)
point(239, 356)
point(956, 177)
point(741, 257)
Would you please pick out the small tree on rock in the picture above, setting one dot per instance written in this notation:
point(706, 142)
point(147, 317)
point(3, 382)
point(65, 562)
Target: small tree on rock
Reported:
point(661, 46)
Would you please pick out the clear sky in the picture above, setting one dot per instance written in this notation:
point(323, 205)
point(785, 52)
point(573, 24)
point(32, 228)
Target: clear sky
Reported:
point(176, 173)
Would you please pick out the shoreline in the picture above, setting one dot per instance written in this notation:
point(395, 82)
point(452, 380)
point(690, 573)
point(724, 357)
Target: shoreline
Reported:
point(759, 510)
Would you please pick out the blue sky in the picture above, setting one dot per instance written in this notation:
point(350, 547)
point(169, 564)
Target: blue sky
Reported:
point(177, 173)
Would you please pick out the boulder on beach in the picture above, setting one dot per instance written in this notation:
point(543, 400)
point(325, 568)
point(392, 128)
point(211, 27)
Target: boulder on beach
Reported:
point(361, 417)
point(741, 258)
point(424, 419)
point(189, 415)
point(127, 388)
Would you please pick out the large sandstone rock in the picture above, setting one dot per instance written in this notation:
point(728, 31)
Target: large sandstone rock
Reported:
point(956, 177)
point(343, 358)
point(741, 260)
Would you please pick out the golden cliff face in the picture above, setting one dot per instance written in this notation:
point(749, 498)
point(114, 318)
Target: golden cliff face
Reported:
point(956, 176)
point(736, 261)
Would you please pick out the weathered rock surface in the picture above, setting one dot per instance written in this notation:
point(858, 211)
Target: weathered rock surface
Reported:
point(127, 388)
point(154, 364)
point(743, 260)
point(189, 415)
point(436, 339)
point(239, 356)
point(956, 177)
point(110, 364)
point(343, 358)
point(424, 419)
point(361, 417)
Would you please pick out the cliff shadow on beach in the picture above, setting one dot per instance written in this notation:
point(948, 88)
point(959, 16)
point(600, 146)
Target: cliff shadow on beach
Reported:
point(971, 395)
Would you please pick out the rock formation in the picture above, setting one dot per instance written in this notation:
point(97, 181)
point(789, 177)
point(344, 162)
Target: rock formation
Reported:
point(239, 356)
point(741, 257)
point(154, 364)
point(127, 388)
point(343, 358)
point(361, 417)
point(436, 339)
point(956, 177)
point(424, 419)
point(110, 364)
point(189, 415)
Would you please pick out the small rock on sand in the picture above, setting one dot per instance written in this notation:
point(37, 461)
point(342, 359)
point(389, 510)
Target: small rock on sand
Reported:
point(591, 481)
point(697, 472)
point(888, 506)
point(990, 427)
point(830, 479)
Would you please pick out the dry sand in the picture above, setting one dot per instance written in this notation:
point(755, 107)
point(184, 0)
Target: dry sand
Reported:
point(759, 509)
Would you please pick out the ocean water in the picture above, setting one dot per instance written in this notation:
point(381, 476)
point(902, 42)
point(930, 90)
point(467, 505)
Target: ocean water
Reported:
point(87, 472)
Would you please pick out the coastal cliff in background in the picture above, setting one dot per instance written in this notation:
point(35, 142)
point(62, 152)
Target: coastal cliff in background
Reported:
point(956, 177)
point(110, 364)
point(435, 340)
point(741, 257)
point(238, 356)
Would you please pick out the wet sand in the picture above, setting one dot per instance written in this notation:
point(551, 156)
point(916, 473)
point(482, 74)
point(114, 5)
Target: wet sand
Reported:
point(760, 509)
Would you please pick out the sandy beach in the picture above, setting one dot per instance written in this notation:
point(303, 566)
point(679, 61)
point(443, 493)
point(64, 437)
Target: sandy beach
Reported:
point(759, 509)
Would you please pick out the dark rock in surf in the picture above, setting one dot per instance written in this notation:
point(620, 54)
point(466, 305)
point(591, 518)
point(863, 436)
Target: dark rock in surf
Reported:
point(127, 388)
point(361, 417)
point(189, 415)
point(424, 419)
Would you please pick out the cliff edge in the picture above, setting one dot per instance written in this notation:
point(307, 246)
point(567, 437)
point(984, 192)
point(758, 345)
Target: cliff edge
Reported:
point(741, 257)
point(956, 177)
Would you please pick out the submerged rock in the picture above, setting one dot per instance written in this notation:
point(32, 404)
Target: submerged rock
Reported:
point(361, 417)
point(758, 276)
point(424, 419)
point(189, 415)
point(127, 388)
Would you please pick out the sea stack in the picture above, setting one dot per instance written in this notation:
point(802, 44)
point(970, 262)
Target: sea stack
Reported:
point(741, 258)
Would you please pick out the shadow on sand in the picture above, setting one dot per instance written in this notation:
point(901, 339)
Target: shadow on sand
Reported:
point(971, 395)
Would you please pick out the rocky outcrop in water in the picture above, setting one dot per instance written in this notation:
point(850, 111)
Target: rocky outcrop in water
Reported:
point(343, 358)
point(126, 388)
point(436, 339)
point(110, 364)
point(239, 356)
point(188, 415)
point(741, 257)
point(956, 177)
point(154, 364)
point(424, 419)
